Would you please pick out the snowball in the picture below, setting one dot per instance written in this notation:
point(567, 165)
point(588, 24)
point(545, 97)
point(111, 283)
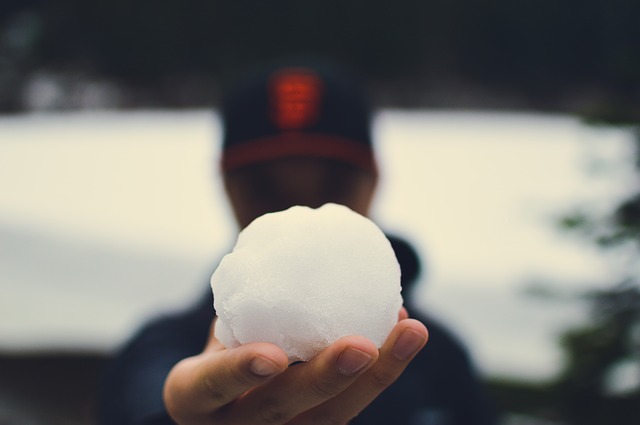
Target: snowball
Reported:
point(303, 278)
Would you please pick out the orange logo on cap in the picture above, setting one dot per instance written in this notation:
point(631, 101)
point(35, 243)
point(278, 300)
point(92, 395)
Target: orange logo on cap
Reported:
point(295, 98)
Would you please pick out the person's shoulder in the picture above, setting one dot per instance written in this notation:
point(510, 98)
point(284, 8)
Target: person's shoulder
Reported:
point(444, 343)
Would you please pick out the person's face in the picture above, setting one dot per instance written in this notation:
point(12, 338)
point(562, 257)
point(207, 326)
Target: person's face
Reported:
point(280, 184)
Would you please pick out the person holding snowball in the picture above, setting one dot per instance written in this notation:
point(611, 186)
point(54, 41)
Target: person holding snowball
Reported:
point(295, 135)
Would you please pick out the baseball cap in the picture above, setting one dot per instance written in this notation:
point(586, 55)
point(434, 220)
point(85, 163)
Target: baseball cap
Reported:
point(297, 110)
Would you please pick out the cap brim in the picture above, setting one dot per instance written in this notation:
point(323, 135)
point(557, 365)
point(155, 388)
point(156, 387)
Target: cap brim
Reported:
point(296, 144)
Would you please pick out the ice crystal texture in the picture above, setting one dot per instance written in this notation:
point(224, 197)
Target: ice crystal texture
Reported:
point(303, 278)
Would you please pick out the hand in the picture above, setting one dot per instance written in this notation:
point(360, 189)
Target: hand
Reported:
point(252, 384)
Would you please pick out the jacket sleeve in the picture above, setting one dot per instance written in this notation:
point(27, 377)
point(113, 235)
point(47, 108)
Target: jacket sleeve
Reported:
point(131, 391)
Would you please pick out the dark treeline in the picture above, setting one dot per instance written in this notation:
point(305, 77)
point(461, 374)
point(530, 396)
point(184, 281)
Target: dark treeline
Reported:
point(531, 53)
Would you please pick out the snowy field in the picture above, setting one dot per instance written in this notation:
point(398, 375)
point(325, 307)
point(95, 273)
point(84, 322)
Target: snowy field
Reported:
point(107, 218)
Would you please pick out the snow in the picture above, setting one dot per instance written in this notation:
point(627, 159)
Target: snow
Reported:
point(107, 218)
point(303, 278)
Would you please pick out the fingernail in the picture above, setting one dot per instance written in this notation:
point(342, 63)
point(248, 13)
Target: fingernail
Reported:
point(263, 367)
point(351, 361)
point(408, 344)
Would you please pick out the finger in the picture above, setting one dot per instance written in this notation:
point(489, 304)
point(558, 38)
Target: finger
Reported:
point(213, 344)
point(404, 314)
point(202, 384)
point(407, 338)
point(307, 385)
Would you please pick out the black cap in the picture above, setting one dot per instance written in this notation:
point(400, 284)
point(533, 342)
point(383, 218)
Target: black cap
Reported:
point(288, 111)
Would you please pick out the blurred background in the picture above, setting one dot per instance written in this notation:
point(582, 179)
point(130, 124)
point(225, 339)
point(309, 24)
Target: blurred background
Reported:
point(510, 151)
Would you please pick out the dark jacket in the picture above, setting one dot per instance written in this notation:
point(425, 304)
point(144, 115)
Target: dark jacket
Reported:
point(439, 387)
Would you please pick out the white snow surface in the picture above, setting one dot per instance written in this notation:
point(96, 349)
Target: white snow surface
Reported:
point(303, 278)
point(109, 218)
